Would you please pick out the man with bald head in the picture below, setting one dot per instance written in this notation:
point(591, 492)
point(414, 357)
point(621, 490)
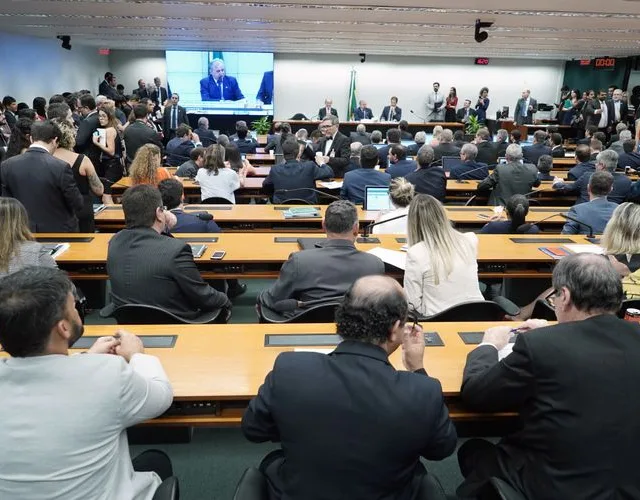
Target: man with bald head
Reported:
point(218, 86)
point(350, 424)
point(574, 386)
point(328, 109)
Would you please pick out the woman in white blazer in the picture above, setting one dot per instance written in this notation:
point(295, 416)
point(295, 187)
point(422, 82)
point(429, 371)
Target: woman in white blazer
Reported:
point(401, 192)
point(441, 269)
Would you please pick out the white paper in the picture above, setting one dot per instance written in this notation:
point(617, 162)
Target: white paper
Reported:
point(587, 248)
point(313, 349)
point(505, 351)
point(392, 257)
point(332, 184)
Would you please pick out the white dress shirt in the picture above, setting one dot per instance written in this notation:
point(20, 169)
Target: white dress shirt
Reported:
point(604, 118)
point(398, 226)
point(64, 420)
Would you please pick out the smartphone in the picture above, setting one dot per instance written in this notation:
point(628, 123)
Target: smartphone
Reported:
point(550, 298)
point(218, 255)
point(243, 156)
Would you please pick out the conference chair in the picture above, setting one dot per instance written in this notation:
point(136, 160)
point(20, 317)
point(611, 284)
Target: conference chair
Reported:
point(497, 489)
point(313, 311)
point(294, 201)
point(168, 490)
point(139, 314)
point(476, 310)
point(252, 486)
point(626, 304)
point(215, 200)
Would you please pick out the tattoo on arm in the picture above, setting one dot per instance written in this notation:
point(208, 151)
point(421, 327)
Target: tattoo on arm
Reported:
point(95, 183)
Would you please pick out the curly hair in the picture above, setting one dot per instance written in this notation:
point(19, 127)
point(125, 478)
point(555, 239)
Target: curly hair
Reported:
point(144, 168)
point(68, 134)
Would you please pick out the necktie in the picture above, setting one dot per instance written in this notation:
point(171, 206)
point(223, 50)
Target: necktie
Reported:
point(221, 90)
point(174, 117)
point(525, 108)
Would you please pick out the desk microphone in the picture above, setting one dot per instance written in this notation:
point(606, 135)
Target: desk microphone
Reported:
point(423, 118)
point(468, 202)
point(308, 189)
point(459, 179)
point(367, 229)
point(577, 221)
point(524, 228)
point(288, 305)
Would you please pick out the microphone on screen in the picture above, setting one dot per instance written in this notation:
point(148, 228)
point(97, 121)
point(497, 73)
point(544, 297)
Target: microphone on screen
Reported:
point(308, 189)
point(423, 118)
point(524, 228)
point(578, 221)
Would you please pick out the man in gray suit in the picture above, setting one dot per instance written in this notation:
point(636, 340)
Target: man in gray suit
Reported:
point(361, 135)
point(326, 271)
point(597, 212)
point(435, 104)
point(617, 146)
point(513, 177)
point(526, 107)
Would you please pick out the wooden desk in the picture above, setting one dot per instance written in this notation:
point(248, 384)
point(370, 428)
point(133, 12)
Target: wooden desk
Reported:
point(226, 364)
point(269, 218)
point(258, 255)
point(348, 127)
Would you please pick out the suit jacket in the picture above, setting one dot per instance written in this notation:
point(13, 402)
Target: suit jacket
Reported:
point(469, 170)
point(347, 444)
point(84, 138)
point(617, 147)
point(107, 90)
point(509, 179)
point(246, 146)
point(624, 112)
point(592, 119)
point(562, 398)
point(91, 448)
point(300, 177)
point(532, 153)
point(46, 187)
point(629, 160)
point(518, 113)
point(387, 116)
point(141, 93)
point(619, 193)
point(557, 152)
point(210, 90)
point(138, 134)
point(322, 112)
point(320, 273)
point(11, 118)
point(596, 213)
point(166, 119)
point(461, 114)
point(445, 149)
point(487, 153)
point(363, 139)
point(265, 92)
point(339, 153)
point(429, 180)
point(402, 168)
point(360, 114)
point(581, 168)
point(356, 180)
point(207, 137)
point(159, 96)
point(191, 223)
point(383, 156)
point(153, 269)
point(433, 114)
point(501, 148)
point(178, 151)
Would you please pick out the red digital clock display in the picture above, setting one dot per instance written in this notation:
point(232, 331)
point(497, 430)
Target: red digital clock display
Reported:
point(482, 61)
point(604, 63)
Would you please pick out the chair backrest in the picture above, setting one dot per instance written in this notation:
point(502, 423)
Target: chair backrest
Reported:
point(477, 310)
point(168, 490)
point(215, 200)
point(324, 313)
point(296, 201)
point(138, 314)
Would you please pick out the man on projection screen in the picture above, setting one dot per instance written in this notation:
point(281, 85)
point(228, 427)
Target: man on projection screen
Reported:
point(219, 87)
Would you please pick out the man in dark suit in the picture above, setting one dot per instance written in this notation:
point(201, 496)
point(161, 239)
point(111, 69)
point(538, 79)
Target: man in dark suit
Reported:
point(487, 152)
point(141, 91)
point(583, 163)
point(174, 116)
point(108, 86)
point(399, 165)
point(391, 113)
point(537, 149)
point(502, 142)
point(148, 267)
point(557, 150)
point(293, 178)
point(179, 148)
point(617, 145)
point(246, 145)
point(428, 179)
point(526, 107)
point(597, 211)
point(88, 126)
point(571, 384)
point(629, 158)
point(10, 110)
point(43, 184)
point(463, 114)
point(361, 135)
point(139, 133)
point(362, 112)
point(218, 86)
point(355, 181)
point(172, 194)
point(207, 137)
point(160, 95)
point(599, 112)
point(393, 138)
point(327, 110)
point(349, 454)
point(446, 146)
point(510, 178)
point(403, 127)
point(265, 92)
point(469, 168)
point(333, 149)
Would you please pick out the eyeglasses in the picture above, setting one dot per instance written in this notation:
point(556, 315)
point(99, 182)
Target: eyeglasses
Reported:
point(325, 126)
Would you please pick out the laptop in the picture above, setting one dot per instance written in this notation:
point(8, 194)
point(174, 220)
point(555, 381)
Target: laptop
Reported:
point(450, 161)
point(377, 198)
point(502, 161)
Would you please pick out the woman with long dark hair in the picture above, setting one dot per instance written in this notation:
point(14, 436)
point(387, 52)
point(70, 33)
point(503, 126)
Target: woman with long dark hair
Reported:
point(483, 104)
point(517, 210)
point(20, 138)
point(450, 106)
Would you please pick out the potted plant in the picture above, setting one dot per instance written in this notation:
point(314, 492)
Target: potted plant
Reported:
point(261, 126)
point(471, 127)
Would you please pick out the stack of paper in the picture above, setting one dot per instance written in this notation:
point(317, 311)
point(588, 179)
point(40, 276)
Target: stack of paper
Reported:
point(301, 213)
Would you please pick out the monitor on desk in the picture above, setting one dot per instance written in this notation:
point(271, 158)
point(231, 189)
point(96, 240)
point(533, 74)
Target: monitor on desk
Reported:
point(376, 198)
point(450, 161)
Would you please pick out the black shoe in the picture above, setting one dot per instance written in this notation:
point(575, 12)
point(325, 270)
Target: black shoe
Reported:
point(236, 291)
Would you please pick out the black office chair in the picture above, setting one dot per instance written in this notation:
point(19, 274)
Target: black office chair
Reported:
point(140, 314)
point(295, 201)
point(497, 489)
point(216, 200)
point(313, 311)
point(626, 304)
point(476, 310)
point(168, 490)
point(252, 486)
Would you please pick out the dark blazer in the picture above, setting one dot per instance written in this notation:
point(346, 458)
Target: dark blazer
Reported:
point(509, 179)
point(629, 160)
point(504, 227)
point(596, 213)
point(210, 90)
point(557, 152)
point(169, 131)
point(11, 118)
point(532, 153)
point(363, 458)
point(107, 90)
point(363, 139)
point(429, 180)
point(519, 117)
point(84, 138)
point(396, 116)
point(624, 112)
point(265, 92)
point(581, 168)
point(320, 273)
point(191, 223)
point(246, 146)
point(592, 106)
point(46, 187)
point(141, 93)
point(322, 112)
point(159, 97)
point(362, 114)
point(619, 193)
point(207, 137)
point(383, 155)
point(341, 149)
point(481, 109)
point(469, 170)
point(487, 153)
point(462, 113)
point(402, 168)
point(138, 134)
point(178, 151)
point(577, 417)
point(501, 148)
point(153, 269)
point(355, 182)
point(445, 149)
point(298, 176)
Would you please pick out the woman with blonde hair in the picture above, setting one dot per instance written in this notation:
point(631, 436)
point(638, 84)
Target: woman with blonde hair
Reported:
point(401, 192)
point(441, 269)
point(621, 242)
point(18, 247)
point(215, 178)
point(146, 167)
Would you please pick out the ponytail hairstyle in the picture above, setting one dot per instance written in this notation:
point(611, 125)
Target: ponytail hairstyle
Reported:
point(517, 210)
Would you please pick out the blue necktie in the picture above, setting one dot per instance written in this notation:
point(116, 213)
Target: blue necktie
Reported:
point(221, 90)
point(174, 117)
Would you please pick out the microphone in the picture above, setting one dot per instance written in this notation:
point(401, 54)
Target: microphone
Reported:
point(308, 189)
point(577, 221)
point(288, 305)
point(367, 229)
point(468, 202)
point(423, 118)
point(459, 179)
point(524, 228)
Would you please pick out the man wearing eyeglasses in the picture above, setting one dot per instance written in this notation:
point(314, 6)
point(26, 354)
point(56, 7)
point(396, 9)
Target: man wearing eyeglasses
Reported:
point(335, 148)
